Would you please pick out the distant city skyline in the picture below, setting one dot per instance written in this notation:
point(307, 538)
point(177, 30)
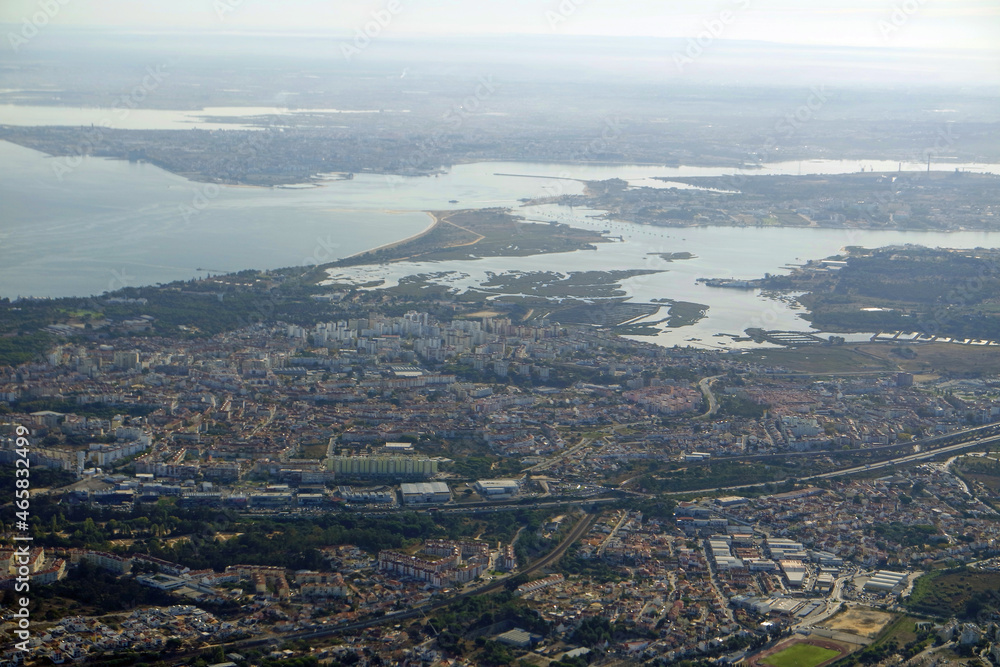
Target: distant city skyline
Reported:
point(902, 24)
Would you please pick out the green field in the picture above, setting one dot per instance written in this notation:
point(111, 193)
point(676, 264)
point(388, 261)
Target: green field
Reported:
point(823, 359)
point(902, 631)
point(801, 655)
point(961, 592)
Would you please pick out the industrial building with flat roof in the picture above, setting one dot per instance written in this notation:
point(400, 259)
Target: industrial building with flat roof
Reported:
point(498, 487)
point(885, 581)
point(519, 638)
point(795, 572)
point(782, 549)
point(425, 493)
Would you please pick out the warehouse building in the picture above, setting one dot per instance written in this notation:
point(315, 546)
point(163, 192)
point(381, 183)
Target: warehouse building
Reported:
point(498, 488)
point(425, 493)
point(885, 581)
point(795, 572)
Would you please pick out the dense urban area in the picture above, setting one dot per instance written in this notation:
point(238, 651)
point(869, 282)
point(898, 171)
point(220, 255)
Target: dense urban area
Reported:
point(397, 485)
point(493, 442)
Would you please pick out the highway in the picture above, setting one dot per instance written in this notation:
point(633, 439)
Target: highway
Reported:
point(584, 524)
point(989, 429)
point(500, 506)
point(919, 456)
point(909, 458)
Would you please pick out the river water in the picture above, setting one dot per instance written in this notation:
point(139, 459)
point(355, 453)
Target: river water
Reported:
point(124, 117)
point(105, 224)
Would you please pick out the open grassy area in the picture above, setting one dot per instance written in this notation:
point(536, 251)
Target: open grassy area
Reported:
point(963, 593)
point(903, 631)
point(313, 451)
point(789, 218)
point(983, 470)
point(801, 655)
point(822, 359)
point(605, 313)
point(576, 284)
point(948, 359)
point(991, 482)
point(931, 360)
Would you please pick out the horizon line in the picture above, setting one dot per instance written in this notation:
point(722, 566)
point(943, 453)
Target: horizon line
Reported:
point(436, 36)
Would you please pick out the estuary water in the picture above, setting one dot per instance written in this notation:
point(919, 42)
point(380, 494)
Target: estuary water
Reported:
point(104, 224)
point(725, 252)
point(127, 117)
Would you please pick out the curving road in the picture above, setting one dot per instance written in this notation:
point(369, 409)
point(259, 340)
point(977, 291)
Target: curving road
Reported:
point(705, 385)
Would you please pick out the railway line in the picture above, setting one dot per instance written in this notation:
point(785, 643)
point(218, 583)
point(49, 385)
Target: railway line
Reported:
point(578, 531)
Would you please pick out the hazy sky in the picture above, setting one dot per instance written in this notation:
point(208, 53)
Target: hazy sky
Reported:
point(961, 24)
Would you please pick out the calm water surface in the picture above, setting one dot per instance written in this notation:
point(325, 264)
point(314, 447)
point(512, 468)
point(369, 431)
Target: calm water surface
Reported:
point(106, 224)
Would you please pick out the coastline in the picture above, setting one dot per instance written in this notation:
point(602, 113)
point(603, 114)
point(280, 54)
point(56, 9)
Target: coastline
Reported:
point(435, 221)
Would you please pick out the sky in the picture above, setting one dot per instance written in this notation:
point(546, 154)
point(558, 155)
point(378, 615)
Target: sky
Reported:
point(904, 24)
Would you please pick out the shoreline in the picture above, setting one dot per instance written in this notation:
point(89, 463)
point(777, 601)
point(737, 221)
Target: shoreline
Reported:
point(435, 221)
point(316, 180)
